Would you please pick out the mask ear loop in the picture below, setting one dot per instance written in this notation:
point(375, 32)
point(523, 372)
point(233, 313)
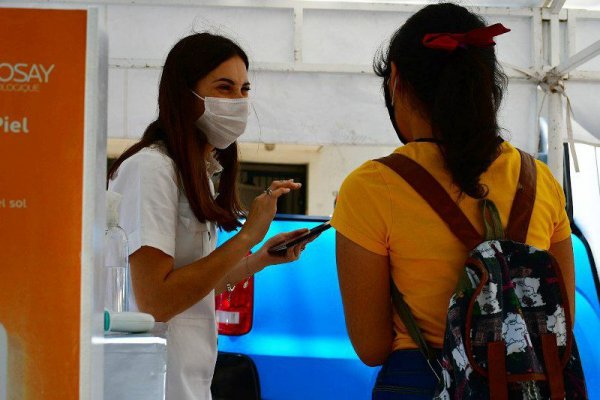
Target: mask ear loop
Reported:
point(198, 96)
point(260, 140)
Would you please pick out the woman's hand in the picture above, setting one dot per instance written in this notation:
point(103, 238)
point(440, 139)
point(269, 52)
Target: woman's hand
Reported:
point(264, 258)
point(263, 209)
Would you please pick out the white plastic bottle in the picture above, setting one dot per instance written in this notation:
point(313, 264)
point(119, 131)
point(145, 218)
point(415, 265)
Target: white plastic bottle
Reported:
point(132, 322)
point(116, 259)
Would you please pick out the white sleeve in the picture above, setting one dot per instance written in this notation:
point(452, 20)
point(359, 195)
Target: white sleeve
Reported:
point(149, 207)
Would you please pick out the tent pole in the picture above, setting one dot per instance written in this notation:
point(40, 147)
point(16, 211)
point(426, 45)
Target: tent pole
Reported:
point(555, 142)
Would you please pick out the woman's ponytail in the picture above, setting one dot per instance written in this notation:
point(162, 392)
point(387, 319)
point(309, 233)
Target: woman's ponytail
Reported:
point(463, 118)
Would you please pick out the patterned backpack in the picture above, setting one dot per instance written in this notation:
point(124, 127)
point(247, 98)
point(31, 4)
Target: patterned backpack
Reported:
point(508, 332)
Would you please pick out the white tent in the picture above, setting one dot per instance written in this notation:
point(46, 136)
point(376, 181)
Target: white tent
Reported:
point(585, 185)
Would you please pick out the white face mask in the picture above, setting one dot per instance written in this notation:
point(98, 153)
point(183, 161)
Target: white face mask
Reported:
point(224, 120)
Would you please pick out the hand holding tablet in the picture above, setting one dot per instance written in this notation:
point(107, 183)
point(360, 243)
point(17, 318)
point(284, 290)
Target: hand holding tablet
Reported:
point(283, 247)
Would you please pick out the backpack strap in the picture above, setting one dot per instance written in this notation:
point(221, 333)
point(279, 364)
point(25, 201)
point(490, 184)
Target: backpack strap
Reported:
point(411, 326)
point(553, 367)
point(522, 206)
point(491, 220)
point(435, 195)
point(498, 382)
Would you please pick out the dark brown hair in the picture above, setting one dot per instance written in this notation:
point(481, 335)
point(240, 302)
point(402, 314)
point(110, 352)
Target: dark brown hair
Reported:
point(459, 92)
point(190, 60)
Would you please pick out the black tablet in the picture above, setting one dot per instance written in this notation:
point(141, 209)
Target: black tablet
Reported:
point(282, 247)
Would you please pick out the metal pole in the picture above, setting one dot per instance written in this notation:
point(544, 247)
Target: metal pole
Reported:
point(555, 112)
point(555, 135)
point(579, 58)
point(556, 6)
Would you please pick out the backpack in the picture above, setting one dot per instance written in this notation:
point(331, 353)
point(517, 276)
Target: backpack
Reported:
point(508, 329)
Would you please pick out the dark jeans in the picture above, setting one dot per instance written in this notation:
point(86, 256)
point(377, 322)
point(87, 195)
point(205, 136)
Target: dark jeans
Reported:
point(405, 376)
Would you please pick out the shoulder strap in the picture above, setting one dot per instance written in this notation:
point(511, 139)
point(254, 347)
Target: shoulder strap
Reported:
point(522, 206)
point(436, 196)
point(408, 319)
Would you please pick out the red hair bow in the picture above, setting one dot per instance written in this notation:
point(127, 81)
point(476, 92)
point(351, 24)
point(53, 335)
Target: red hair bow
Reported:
point(480, 37)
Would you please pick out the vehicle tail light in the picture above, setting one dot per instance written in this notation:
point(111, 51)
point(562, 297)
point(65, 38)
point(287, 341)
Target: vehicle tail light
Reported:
point(235, 309)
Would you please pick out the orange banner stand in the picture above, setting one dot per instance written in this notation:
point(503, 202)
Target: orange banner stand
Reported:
point(46, 180)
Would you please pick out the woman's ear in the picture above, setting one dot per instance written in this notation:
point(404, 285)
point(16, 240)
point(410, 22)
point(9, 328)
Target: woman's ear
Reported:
point(394, 82)
point(394, 70)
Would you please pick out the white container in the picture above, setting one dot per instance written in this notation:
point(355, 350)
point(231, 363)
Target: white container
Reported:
point(133, 322)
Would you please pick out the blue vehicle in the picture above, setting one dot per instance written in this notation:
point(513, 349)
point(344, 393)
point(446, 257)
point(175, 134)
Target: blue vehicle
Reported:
point(298, 340)
point(587, 312)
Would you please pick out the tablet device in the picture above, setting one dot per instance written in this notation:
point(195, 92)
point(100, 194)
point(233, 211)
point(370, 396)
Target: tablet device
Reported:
point(282, 247)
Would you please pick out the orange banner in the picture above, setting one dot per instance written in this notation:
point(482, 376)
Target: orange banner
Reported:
point(42, 93)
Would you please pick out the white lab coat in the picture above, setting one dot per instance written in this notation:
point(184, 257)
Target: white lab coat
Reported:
point(155, 212)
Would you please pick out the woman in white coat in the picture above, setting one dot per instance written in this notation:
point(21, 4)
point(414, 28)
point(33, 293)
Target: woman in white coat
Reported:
point(171, 211)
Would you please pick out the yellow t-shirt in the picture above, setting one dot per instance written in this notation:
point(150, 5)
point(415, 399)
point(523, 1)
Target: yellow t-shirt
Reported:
point(379, 211)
